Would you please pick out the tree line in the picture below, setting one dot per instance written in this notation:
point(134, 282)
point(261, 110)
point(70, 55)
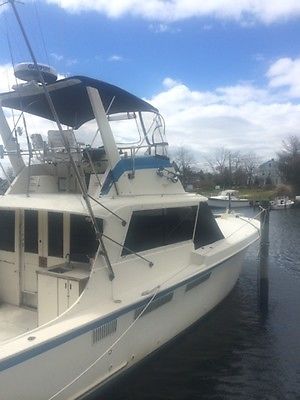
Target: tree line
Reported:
point(226, 168)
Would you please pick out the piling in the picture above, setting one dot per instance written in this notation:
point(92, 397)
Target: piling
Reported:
point(263, 278)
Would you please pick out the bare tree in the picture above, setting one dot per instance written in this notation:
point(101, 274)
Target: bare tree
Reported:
point(184, 160)
point(218, 161)
point(289, 162)
point(250, 163)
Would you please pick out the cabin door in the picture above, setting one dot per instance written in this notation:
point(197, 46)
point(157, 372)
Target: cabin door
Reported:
point(32, 238)
point(43, 247)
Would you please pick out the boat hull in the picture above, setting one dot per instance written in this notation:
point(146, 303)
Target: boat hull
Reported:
point(281, 206)
point(44, 374)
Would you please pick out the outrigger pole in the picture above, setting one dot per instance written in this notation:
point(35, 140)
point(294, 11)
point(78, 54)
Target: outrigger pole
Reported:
point(66, 144)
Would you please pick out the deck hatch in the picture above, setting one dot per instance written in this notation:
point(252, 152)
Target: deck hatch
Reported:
point(154, 305)
point(104, 330)
point(197, 281)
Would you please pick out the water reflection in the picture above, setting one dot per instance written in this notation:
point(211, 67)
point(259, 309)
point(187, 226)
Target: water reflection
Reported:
point(234, 353)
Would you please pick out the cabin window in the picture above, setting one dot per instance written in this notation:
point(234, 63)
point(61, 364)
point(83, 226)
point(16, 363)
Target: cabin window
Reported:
point(7, 230)
point(31, 231)
point(83, 243)
point(179, 224)
point(149, 229)
point(55, 234)
point(207, 230)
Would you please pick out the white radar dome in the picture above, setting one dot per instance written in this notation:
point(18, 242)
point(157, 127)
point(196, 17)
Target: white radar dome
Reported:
point(28, 72)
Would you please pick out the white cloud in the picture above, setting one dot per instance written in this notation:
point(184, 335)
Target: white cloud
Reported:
point(285, 72)
point(241, 94)
point(169, 83)
point(7, 77)
point(61, 59)
point(163, 28)
point(239, 117)
point(266, 11)
point(57, 57)
point(116, 57)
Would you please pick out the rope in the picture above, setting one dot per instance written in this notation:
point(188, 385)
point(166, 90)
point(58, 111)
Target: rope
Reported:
point(108, 349)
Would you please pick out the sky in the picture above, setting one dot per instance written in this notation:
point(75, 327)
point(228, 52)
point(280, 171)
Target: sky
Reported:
point(223, 73)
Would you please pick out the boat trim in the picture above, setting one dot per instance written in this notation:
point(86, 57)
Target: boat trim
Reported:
point(127, 164)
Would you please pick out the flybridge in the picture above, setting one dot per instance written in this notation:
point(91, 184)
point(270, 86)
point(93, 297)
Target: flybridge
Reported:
point(113, 169)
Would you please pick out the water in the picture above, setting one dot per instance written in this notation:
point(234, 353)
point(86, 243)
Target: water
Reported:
point(236, 352)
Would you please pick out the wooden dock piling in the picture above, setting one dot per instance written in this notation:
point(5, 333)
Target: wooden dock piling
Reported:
point(263, 278)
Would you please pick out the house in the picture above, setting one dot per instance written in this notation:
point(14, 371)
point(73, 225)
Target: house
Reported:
point(268, 173)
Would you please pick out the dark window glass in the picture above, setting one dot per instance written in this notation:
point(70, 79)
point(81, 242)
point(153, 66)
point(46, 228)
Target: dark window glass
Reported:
point(179, 224)
point(55, 234)
point(31, 231)
point(207, 230)
point(83, 243)
point(7, 230)
point(145, 231)
point(149, 229)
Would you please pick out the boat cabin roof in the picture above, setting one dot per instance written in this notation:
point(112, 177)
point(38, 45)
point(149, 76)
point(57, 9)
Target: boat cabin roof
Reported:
point(71, 100)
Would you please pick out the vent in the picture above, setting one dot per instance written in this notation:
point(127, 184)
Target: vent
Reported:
point(197, 282)
point(104, 330)
point(154, 305)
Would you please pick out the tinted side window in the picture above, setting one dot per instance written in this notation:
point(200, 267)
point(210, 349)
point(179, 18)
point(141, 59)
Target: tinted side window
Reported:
point(207, 230)
point(83, 243)
point(145, 231)
point(179, 224)
point(31, 231)
point(55, 234)
point(149, 229)
point(7, 230)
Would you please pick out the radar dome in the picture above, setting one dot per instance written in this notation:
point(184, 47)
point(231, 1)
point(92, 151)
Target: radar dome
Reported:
point(28, 72)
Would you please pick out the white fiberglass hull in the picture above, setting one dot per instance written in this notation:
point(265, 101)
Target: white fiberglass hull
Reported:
point(221, 203)
point(83, 353)
point(282, 206)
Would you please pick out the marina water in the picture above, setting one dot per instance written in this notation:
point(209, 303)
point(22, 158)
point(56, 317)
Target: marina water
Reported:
point(235, 352)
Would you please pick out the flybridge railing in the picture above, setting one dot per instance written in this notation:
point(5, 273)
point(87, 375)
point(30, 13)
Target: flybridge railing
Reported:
point(152, 139)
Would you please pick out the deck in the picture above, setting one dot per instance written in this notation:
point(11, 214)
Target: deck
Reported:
point(15, 320)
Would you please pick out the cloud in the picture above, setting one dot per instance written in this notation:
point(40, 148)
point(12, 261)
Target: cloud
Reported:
point(116, 58)
point(61, 59)
point(7, 77)
point(163, 28)
point(57, 57)
point(245, 11)
point(241, 117)
point(169, 83)
point(285, 73)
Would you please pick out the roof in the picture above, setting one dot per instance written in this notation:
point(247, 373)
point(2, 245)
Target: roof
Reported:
point(71, 100)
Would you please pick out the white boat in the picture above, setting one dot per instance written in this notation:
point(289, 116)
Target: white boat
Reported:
point(94, 279)
point(103, 256)
point(281, 203)
point(228, 199)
